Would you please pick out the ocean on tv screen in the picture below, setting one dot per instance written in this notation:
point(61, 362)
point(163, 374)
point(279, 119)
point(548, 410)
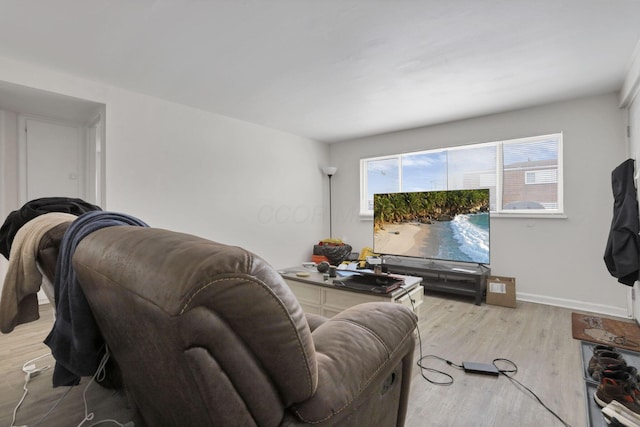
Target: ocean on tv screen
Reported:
point(470, 239)
point(445, 225)
point(465, 238)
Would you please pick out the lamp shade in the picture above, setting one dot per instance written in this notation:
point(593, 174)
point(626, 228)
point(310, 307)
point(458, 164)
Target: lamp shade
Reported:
point(330, 170)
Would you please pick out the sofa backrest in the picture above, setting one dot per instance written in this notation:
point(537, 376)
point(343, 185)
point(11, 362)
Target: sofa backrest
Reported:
point(205, 333)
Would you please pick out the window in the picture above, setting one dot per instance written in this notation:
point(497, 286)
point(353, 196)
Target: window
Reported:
point(523, 175)
point(548, 176)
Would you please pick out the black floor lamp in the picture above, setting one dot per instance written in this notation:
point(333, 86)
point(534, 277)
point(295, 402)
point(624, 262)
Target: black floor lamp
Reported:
point(330, 171)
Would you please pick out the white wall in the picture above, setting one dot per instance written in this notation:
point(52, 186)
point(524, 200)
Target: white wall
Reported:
point(6, 135)
point(9, 160)
point(634, 127)
point(630, 99)
point(187, 170)
point(554, 261)
point(220, 178)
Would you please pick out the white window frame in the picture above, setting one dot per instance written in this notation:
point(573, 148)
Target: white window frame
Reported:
point(558, 212)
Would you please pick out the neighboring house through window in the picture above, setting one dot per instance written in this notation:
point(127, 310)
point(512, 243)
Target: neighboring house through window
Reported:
point(524, 175)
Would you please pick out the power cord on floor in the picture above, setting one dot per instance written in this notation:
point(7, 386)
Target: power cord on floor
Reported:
point(505, 372)
point(99, 375)
point(30, 370)
point(55, 405)
point(423, 368)
point(449, 378)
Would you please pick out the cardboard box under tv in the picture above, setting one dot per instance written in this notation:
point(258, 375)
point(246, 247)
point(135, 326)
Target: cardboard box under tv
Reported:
point(501, 291)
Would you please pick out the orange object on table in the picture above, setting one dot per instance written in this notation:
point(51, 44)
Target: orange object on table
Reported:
point(319, 258)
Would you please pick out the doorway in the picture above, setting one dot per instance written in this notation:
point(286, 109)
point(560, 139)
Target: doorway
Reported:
point(21, 103)
point(51, 160)
point(77, 126)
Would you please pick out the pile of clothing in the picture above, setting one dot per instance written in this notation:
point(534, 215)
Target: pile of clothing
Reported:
point(75, 340)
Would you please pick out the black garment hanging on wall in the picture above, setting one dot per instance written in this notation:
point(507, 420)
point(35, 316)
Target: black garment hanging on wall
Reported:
point(622, 254)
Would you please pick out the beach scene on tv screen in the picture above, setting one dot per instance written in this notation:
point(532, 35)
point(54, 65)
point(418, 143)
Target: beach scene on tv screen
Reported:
point(444, 225)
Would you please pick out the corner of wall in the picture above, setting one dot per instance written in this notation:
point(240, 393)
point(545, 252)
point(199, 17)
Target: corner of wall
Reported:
point(2, 160)
point(631, 85)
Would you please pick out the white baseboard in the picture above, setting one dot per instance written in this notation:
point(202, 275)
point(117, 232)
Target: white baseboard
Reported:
point(575, 305)
point(42, 298)
point(538, 299)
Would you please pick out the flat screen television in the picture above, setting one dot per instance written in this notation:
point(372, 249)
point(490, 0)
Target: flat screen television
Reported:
point(444, 225)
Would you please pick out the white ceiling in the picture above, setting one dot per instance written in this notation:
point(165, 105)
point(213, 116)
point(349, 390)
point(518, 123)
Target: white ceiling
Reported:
point(334, 69)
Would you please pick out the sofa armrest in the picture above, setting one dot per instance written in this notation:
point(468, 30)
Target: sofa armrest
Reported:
point(359, 347)
point(315, 320)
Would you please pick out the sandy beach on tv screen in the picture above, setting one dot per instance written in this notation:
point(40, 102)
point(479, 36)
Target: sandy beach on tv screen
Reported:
point(401, 239)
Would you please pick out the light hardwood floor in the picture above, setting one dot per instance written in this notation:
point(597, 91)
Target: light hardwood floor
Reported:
point(536, 337)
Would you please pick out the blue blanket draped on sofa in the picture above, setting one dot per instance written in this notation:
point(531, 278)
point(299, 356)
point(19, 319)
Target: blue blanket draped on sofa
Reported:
point(75, 340)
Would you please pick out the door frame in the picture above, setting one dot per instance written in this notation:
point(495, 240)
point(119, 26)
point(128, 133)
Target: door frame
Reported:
point(95, 160)
point(22, 152)
point(3, 158)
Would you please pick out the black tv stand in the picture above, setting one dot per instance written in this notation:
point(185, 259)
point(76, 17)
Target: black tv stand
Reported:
point(441, 276)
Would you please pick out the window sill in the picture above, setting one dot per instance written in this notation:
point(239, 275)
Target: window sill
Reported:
point(528, 215)
point(366, 216)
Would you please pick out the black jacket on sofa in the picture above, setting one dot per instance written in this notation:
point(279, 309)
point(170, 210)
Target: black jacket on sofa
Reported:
point(35, 208)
